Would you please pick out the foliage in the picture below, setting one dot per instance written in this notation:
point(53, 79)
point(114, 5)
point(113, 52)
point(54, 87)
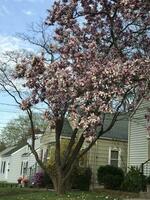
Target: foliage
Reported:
point(82, 178)
point(41, 179)
point(51, 155)
point(18, 130)
point(134, 181)
point(112, 177)
point(2, 145)
point(8, 185)
point(38, 179)
point(148, 180)
point(23, 181)
point(99, 61)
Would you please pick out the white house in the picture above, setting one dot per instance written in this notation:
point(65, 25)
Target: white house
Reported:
point(139, 139)
point(17, 161)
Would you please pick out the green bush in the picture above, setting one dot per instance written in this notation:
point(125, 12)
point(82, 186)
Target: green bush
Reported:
point(41, 179)
point(134, 181)
point(111, 177)
point(82, 179)
point(5, 184)
point(148, 180)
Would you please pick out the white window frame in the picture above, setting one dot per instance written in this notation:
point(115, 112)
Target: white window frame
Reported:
point(119, 155)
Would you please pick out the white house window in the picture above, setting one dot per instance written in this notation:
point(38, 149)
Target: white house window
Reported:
point(3, 166)
point(21, 168)
point(114, 157)
point(24, 168)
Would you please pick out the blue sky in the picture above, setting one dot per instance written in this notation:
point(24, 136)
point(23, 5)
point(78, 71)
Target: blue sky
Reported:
point(15, 17)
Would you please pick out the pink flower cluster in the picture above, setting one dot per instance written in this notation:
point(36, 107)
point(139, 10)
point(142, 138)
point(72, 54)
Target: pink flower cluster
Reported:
point(103, 48)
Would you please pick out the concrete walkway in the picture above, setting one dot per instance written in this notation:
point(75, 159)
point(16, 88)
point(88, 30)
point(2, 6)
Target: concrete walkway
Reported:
point(142, 196)
point(137, 199)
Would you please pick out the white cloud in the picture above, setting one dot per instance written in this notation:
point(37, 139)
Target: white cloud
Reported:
point(11, 43)
point(28, 12)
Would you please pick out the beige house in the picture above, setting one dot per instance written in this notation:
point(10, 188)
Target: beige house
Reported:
point(111, 149)
point(139, 138)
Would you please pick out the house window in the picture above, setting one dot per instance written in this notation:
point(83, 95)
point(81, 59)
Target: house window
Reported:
point(25, 168)
point(46, 155)
point(114, 160)
point(114, 157)
point(21, 168)
point(3, 166)
point(41, 155)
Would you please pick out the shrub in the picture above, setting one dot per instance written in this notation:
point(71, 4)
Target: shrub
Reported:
point(19, 180)
point(41, 179)
point(134, 181)
point(112, 177)
point(82, 179)
point(148, 180)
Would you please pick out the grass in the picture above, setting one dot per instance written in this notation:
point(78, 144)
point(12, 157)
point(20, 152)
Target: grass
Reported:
point(34, 194)
point(8, 193)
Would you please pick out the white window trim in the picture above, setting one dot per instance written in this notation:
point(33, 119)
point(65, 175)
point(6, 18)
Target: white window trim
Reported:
point(119, 155)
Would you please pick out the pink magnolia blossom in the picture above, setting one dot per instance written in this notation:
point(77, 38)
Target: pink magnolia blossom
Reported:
point(104, 57)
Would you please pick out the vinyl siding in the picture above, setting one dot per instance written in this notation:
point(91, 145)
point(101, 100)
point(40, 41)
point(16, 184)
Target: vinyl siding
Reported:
point(15, 160)
point(4, 176)
point(49, 137)
point(15, 165)
point(98, 155)
point(138, 136)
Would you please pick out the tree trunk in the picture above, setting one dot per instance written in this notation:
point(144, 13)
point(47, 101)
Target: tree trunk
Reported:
point(61, 186)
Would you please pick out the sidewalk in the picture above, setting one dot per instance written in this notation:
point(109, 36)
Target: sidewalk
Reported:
point(142, 196)
point(137, 199)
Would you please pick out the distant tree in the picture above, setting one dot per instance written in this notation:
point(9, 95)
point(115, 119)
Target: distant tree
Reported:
point(2, 146)
point(18, 130)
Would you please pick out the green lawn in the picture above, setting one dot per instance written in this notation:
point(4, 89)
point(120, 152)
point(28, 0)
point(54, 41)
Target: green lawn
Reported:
point(34, 194)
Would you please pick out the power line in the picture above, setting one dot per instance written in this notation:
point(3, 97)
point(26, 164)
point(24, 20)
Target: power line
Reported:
point(7, 104)
point(14, 91)
point(15, 105)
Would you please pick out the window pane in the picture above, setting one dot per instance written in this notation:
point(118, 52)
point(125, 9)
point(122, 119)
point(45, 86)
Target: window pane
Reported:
point(114, 163)
point(21, 168)
point(4, 167)
point(114, 155)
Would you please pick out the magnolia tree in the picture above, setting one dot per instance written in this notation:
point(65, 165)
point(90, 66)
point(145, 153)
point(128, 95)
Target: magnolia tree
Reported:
point(101, 65)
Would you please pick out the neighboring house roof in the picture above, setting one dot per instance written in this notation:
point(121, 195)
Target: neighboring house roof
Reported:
point(120, 128)
point(6, 150)
point(118, 131)
point(10, 150)
point(136, 108)
point(67, 129)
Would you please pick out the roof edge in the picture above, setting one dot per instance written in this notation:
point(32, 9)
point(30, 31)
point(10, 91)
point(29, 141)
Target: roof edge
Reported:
point(139, 103)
